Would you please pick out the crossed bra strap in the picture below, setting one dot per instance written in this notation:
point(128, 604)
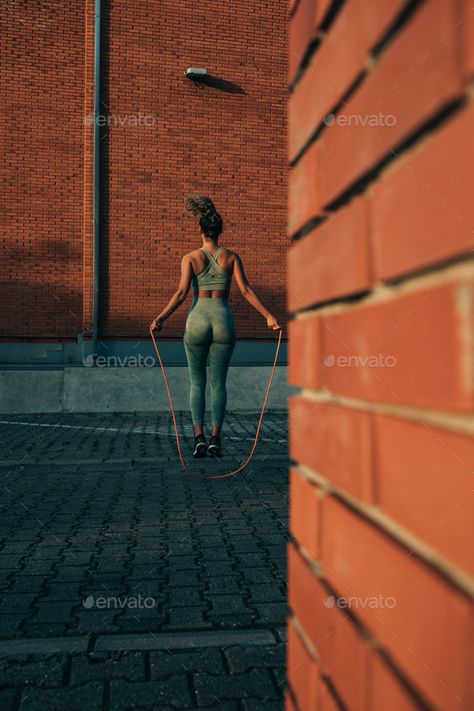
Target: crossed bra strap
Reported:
point(213, 257)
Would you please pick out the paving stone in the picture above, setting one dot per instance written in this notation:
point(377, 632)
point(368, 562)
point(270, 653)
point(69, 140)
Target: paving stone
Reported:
point(8, 699)
point(186, 618)
point(256, 705)
point(223, 585)
point(266, 593)
point(89, 696)
point(227, 604)
point(252, 560)
point(52, 611)
point(219, 569)
point(280, 677)
point(128, 666)
point(17, 602)
point(45, 629)
point(225, 706)
point(34, 672)
point(243, 658)
point(9, 624)
point(150, 695)
point(185, 597)
point(259, 575)
point(243, 619)
point(63, 592)
point(211, 689)
point(71, 574)
point(199, 660)
point(271, 613)
point(182, 562)
point(184, 578)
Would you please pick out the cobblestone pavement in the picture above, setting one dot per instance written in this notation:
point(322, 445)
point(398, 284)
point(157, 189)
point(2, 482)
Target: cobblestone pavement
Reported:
point(125, 584)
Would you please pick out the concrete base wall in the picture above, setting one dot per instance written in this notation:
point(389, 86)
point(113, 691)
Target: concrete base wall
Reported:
point(129, 389)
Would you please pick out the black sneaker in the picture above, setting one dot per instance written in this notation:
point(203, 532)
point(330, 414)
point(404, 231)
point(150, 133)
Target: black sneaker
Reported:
point(214, 448)
point(200, 447)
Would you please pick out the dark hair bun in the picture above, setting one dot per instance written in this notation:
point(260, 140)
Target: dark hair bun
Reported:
point(200, 205)
point(210, 221)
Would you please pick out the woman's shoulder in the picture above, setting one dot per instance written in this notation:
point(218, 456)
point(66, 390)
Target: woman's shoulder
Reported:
point(229, 252)
point(193, 254)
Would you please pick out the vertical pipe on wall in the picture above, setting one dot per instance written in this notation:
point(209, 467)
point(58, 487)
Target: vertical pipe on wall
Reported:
point(95, 297)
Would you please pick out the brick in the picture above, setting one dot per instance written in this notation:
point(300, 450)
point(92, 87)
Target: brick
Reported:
point(415, 78)
point(331, 261)
point(418, 608)
point(386, 691)
point(300, 31)
point(303, 353)
point(414, 457)
point(304, 512)
point(321, 9)
point(335, 442)
point(393, 351)
point(468, 37)
point(357, 28)
point(302, 671)
point(327, 702)
point(303, 193)
point(343, 653)
point(292, 4)
point(289, 705)
point(422, 211)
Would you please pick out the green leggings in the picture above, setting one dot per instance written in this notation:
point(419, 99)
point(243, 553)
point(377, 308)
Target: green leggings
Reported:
point(210, 329)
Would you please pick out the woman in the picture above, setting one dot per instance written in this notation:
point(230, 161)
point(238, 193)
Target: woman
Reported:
point(210, 328)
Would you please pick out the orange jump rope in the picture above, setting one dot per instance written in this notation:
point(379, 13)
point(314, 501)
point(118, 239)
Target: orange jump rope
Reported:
point(183, 463)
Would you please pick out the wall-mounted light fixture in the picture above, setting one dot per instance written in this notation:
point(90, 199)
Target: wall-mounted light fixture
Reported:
point(195, 72)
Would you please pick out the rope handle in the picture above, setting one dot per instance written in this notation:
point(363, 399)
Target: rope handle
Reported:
point(175, 424)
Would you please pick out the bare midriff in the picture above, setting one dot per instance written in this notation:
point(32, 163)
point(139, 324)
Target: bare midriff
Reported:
point(214, 294)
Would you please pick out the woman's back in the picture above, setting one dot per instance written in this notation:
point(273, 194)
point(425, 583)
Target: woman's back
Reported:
point(212, 271)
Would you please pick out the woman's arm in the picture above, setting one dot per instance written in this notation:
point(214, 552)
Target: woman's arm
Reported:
point(179, 296)
point(249, 294)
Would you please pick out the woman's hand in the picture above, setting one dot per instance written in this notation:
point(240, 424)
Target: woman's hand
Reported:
point(157, 324)
point(272, 322)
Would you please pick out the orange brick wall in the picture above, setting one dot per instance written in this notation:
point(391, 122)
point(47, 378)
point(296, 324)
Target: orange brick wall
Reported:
point(381, 297)
point(223, 140)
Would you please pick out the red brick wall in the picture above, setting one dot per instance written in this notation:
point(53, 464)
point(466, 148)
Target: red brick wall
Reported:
point(381, 293)
point(165, 137)
point(42, 48)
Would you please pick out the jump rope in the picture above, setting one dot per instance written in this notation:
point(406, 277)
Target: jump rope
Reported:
point(186, 469)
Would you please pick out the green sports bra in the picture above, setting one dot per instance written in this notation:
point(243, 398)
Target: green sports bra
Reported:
point(213, 276)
